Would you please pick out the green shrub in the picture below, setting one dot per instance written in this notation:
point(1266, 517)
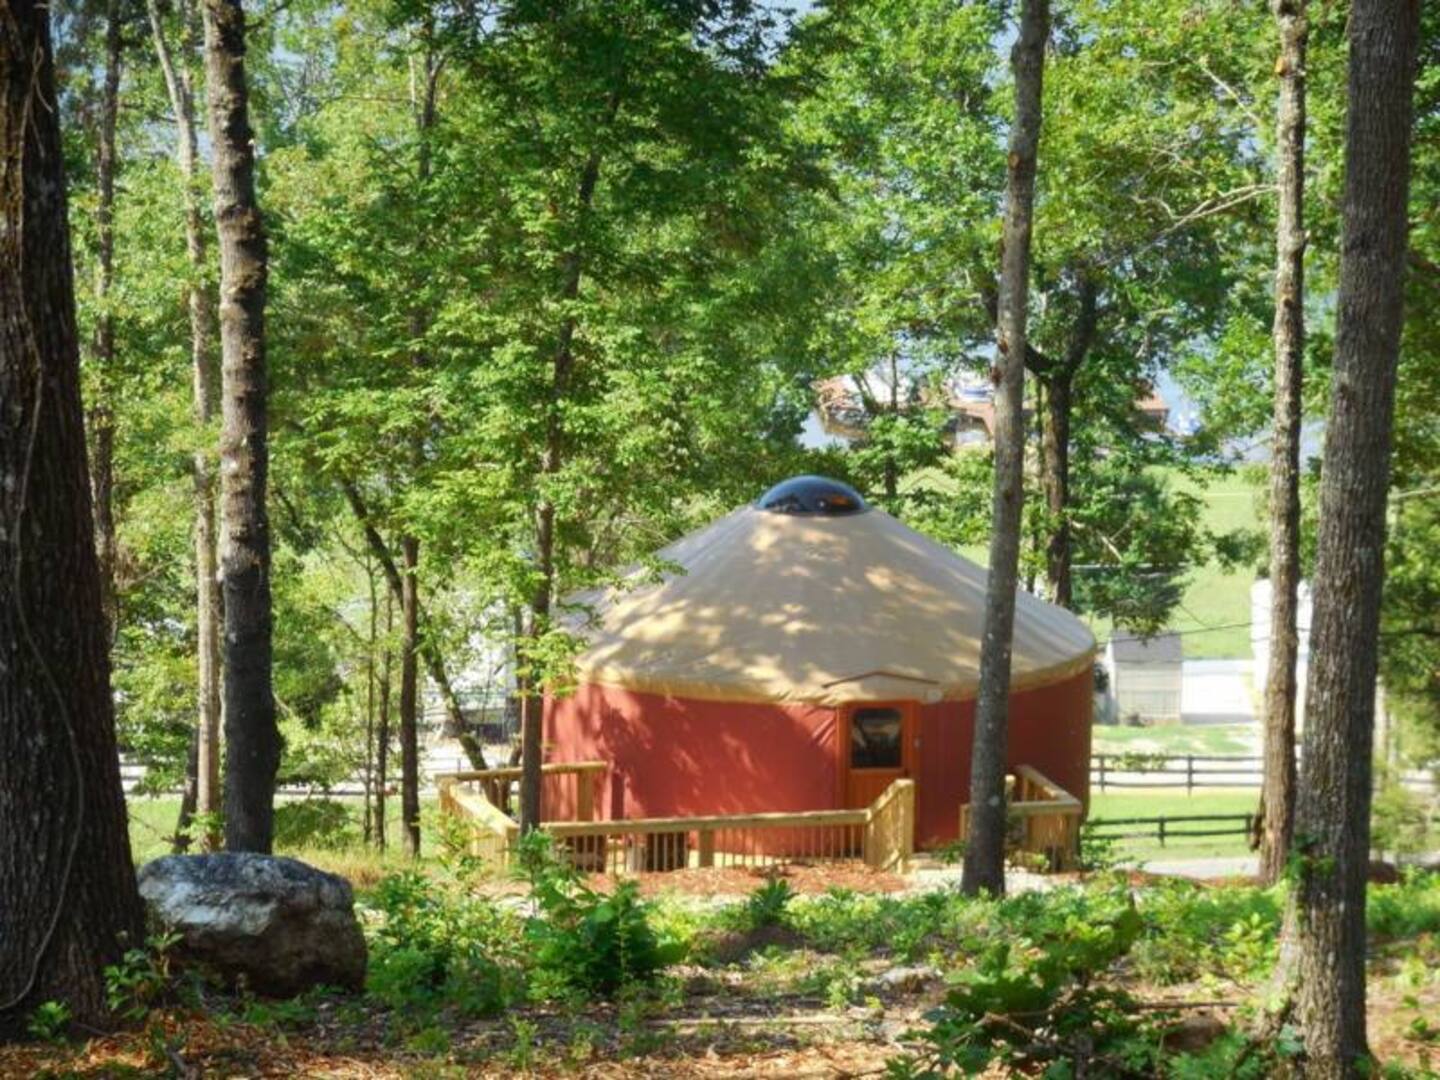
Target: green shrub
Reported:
point(141, 980)
point(1407, 909)
point(1400, 818)
point(433, 946)
point(314, 823)
point(583, 940)
point(49, 1022)
point(767, 905)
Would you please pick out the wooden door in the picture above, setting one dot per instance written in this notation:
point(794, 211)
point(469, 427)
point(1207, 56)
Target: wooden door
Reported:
point(878, 744)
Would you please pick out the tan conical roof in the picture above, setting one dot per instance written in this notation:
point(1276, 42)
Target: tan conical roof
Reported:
point(816, 608)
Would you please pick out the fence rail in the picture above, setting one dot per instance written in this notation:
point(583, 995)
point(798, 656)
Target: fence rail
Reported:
point(1162, 828)
point(1191, 771)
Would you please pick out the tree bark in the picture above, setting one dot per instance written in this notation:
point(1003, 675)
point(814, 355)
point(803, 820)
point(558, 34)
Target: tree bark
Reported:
point(985, 854)
point(68, 902)
point(423, 102)
point(249, 703)
point(1278, 785)
point(409, 698)
point(1058, 378)
point(180, 88)
point(102, 415)
point(1325, 924)
point(382, 729)
point(189, 796)
point(1059, 400)
point(371, 646)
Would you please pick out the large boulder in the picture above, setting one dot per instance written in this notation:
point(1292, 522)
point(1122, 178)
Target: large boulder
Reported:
point(275, 923)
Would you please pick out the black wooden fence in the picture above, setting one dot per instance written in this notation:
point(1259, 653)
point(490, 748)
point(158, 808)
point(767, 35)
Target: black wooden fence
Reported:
point(1191, 771)
point(1170, 827)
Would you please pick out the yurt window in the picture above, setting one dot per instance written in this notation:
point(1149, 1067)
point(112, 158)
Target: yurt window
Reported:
point(875, 738)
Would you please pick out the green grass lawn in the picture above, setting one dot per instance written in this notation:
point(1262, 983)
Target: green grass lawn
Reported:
point(1214, 613)
point(152, 823)
point(1238, 739)
point(1169, 802)
point(1216, 597)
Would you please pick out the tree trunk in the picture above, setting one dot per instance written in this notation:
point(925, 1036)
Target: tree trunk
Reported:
point(985, 854)
point(249, 703)
point(422, 100)
point(429, 651)
point(68, 902)
point(180, 87)
point(371, 646)
point(1326, 921)
point(409, 699)
point(532, 706)
point(1056, 376)
point(382, 730)
point(189, 796)
point(1278, 786)
point(102, 415)
point(1059, 395)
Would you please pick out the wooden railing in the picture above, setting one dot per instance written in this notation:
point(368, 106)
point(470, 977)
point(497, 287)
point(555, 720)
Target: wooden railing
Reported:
point(492, 835)
point(890, 835)
point(881, 835)
point(1042, 818)
point(497, 784)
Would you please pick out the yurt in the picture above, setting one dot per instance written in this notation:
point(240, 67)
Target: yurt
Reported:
point(802, 653)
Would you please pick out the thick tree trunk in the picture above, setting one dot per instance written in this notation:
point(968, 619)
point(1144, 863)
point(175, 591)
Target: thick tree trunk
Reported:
point(1278, 788)
point(102, 415)
point(410, 699)
point(985, 854)
point(208, 617)
point(68, 903)
point(1326, 921)
point(249, 702)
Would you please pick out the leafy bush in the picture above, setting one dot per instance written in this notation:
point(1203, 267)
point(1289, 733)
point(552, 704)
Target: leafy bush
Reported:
point(49, 1022)
point(1032, 1001)
point(1097, 851)
point(1400, 818)
point(432, 946)
point(1407, 909)
point(583, 940)
point(1193, 931)
point(314, 823)
point(141, 980)
point(767, 905)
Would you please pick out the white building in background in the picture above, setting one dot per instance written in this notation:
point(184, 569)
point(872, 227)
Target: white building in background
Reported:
point(1260, 640)
point(1145, 676)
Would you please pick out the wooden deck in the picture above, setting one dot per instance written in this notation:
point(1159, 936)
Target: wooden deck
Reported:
point(880, 835)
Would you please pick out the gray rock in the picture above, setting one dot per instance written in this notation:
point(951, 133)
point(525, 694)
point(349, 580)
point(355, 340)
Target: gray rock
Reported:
point(904, 980)
point(275, 923)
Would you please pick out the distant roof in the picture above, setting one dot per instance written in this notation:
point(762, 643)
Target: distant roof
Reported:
point(1163, 648)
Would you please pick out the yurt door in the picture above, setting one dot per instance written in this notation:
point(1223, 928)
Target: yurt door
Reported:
point(877, 748)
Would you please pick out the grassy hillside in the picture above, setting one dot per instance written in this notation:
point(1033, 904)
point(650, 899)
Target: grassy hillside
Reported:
point(1214, 614)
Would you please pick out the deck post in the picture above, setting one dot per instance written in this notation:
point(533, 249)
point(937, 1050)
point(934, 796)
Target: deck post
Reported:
point(585, 796)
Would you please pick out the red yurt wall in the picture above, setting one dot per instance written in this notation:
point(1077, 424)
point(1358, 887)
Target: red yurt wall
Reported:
point(678, 757)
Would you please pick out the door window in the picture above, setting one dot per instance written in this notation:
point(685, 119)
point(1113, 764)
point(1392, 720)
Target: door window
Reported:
point(875, 738)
